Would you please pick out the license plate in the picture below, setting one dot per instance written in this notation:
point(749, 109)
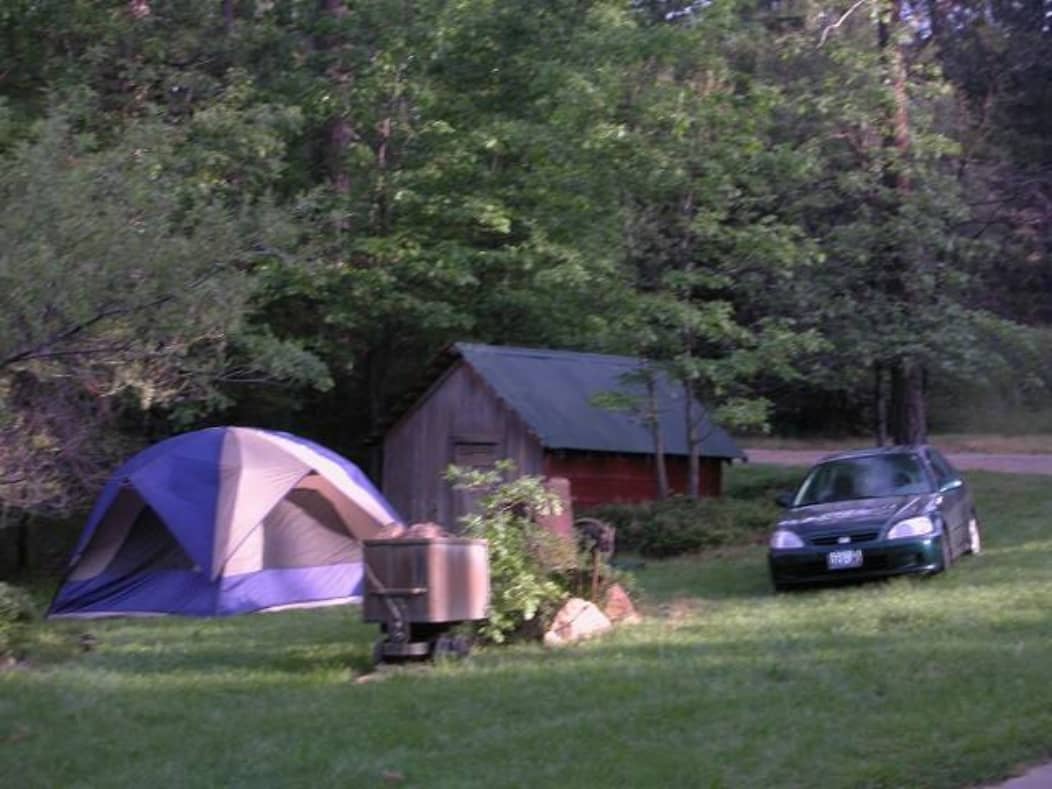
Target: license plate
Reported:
point(843, 560)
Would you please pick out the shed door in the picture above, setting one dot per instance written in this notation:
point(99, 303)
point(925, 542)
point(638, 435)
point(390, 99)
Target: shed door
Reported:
point(477, 452)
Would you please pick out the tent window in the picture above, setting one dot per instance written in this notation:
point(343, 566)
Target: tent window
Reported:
point(148, 546)
point(304, 530)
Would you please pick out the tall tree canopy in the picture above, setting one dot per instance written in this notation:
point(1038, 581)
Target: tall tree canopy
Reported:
point(786, 204)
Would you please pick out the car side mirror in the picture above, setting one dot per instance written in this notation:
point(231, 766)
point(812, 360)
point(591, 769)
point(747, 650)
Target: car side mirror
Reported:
point(784, 500)
point(953, 484)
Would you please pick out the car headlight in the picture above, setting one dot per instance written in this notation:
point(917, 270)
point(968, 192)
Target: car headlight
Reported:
point(786, 539)
point(921, 526)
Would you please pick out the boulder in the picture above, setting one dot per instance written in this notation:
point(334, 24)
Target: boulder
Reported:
point(618, 606)
point(425, 531)
point(416, 531)
point(576, 620)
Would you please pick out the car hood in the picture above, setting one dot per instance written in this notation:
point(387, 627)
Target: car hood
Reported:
point(859, 512)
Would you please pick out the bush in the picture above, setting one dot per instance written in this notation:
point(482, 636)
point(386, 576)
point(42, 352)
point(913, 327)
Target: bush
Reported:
point(16, 610)
point(681, 525)
point(529, 566)
point(761, 483)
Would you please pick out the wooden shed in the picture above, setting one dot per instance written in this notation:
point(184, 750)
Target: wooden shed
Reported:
point(537, 408)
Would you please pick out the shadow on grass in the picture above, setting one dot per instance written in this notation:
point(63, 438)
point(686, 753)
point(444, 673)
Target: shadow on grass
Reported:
point(903, 696)
point(287, 643)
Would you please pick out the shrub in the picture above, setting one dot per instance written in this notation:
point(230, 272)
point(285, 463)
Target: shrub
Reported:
point(681, 525)
point(529, 566)
point(761, 483)
point(16, 610)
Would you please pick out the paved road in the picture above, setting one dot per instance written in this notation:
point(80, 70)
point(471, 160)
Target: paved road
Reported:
point(966, 461)
point(1037, 778)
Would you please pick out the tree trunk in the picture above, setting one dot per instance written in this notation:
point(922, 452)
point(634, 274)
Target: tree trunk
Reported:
point(338, 129)
point(908, 412)
point(880, 406)
point(687, 261)
point(893, 54)
point(909, 419)
point(654, 423)
point(381, 219)
point(22, 556)
point(21, 531)
point(693, 445)
point(228, 16)
point(375, 365)
point(901, 119)
point(338, 136)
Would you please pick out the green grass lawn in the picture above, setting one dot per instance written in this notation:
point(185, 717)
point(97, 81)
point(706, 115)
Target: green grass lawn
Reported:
point(928, 682)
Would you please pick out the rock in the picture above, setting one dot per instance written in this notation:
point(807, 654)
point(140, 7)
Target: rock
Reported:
point(425, 531)
point(417, 531)
point(618, 606)
point(392, 531)
point(576, 620)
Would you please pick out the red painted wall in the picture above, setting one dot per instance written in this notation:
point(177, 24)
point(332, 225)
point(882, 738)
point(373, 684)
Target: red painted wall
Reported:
point(602, 478)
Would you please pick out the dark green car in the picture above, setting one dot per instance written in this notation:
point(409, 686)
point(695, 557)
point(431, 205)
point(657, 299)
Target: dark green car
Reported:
point(871, 514)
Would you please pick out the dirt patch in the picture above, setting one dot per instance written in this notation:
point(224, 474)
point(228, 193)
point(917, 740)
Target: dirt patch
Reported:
point(681, 609)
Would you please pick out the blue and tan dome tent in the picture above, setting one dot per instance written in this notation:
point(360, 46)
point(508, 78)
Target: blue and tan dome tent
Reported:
point(222, 521)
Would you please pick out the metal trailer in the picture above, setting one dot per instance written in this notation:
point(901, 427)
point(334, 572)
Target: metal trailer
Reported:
point(419, 589)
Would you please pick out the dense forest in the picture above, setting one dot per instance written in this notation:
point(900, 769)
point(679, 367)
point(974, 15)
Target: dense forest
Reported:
point(819, 216)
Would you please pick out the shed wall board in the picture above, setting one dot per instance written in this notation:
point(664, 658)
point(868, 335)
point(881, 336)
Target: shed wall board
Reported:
point(600, 478)
point(418, 449)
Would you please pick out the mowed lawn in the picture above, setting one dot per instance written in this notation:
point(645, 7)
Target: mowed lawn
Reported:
point(927, 682)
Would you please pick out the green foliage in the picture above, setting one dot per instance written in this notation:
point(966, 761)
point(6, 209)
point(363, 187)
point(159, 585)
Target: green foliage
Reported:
point(699, 184)
point(913, 266)
point(16, 611)
point(702, 177)
point(760, 483)
point(681, 525)
point(123, 289)
point(526, 561)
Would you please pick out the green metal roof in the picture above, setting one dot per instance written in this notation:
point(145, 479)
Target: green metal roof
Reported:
point(553, 393)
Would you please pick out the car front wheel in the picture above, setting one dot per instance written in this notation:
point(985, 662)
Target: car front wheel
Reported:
point(947, 551)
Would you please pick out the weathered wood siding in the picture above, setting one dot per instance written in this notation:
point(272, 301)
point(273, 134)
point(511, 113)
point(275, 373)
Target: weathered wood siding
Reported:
point(598, 478)
point(459, 419)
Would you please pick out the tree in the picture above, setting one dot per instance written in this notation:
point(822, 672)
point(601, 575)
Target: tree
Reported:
point(899, 285)
point(118, 293)
point(702, 225)
point(470, 213)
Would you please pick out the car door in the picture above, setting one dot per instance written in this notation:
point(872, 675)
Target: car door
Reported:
point(956, 503)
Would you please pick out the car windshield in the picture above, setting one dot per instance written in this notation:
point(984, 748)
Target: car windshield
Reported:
point(872, 477)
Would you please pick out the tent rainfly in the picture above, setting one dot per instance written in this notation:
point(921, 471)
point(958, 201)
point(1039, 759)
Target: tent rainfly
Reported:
point(223, 521)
